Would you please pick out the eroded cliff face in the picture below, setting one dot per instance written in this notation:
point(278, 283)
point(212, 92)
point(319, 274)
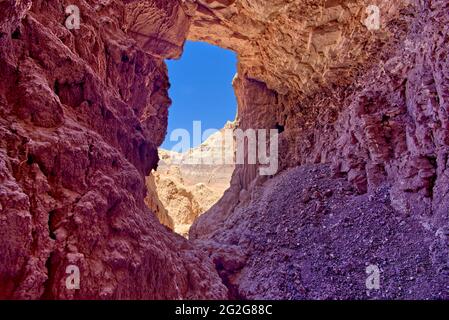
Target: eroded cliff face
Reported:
point(188, 184)
point(293, 46)
point(379, 118)
point(363, 150)
point(327, 46)
point(374, 107)
point(82, 113)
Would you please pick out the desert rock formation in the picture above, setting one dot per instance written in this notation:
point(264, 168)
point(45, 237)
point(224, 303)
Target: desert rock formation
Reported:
point(188, 184)
point(81, 115)
point(385, 131)
point(364, 146)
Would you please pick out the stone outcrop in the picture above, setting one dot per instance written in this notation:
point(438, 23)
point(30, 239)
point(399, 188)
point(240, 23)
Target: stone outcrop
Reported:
point(293, 46)
point(380, 120)
point(363, 149)
point(81, 115)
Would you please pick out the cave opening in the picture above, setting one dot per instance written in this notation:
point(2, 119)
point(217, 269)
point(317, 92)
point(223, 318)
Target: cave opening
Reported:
point(190, 178)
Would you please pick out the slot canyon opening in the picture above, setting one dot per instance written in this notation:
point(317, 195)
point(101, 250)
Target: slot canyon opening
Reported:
point(192, 173)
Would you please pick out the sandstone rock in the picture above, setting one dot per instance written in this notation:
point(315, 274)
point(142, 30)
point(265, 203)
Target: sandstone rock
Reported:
point(292, 46)
point(153, 202)
point(189, 183)
point(321, 249)
point(81, 115)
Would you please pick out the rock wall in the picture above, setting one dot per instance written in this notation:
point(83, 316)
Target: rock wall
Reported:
point(293, 46)
point(81, 115)
point(153, 201)
point(374, 106)
point(298, 77)
point(188, 184)
point(395, 127)
point(83, 112)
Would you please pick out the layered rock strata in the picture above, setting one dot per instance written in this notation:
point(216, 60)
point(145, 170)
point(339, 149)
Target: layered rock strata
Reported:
point(190, 183)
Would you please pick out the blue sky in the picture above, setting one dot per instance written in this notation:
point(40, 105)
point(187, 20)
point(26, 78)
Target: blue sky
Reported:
point(201, 89)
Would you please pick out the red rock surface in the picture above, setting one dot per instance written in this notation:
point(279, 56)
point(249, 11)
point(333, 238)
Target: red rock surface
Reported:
point(82, 113)
point(382, 123)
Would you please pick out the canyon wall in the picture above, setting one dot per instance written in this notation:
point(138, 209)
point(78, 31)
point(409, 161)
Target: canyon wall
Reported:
point(299, 64)
point(375, 105)
point(82, 113)
point(372, 104)
point(363, 147)
point(187, 184)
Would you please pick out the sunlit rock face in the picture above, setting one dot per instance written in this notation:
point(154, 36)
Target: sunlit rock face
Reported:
point(293, 46)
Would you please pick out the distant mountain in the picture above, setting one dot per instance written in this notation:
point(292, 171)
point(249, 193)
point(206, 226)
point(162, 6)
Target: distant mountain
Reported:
point(188, 184)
